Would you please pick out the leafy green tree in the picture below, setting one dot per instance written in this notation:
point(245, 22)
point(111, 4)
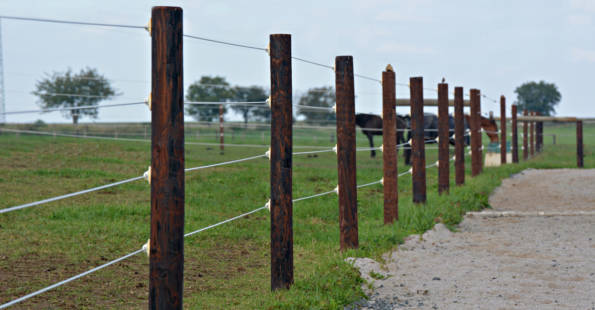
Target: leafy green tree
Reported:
point(211, 89)
point(539, 97)
point(260, 111)
point(317, 97)
point(67, 90)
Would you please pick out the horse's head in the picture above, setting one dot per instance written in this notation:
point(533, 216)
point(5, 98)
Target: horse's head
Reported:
point(404, 120)
point(490, 126)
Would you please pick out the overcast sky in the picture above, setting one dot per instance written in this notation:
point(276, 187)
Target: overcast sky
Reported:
point(491, 45)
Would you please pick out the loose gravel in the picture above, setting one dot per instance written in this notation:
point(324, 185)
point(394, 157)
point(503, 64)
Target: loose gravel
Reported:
point(534, 258)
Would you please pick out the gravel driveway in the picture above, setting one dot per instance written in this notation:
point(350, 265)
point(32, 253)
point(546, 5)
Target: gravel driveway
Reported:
point(539, 255)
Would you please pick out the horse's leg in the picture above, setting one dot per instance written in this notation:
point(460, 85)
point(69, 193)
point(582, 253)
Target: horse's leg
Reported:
point(371, 139)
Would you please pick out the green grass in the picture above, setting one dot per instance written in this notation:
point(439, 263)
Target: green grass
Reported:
point(226, 267)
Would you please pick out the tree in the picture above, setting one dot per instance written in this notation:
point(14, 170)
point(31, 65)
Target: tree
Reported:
point(67, 90)
point(318, 97)
point(211, 89)
point(253, 93)
point(539, 97)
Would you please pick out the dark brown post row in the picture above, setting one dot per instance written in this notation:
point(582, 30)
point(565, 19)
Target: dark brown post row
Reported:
point(539, 135)
point(221, 135)
point(502, 130)
point(389, 145)
point(166, 260)
point(532, 135)
point(281, 152)
point(579, 144)
point(459, 137)
point(474, 124)
point(443, 140)
point(515, 135)
point(525, 137)
point(345, 98)
point(418, 156)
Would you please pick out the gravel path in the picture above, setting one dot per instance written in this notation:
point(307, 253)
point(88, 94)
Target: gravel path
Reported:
point(520, 261)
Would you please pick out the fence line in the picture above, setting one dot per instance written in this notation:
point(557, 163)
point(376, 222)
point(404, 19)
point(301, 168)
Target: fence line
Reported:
point(58, 21)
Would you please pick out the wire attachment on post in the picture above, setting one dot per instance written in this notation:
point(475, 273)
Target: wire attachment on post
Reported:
point(268, 153)
point(147, 175)
point(268, 101)
point(268, 205)
point(149, 100)
point(149, 27)
point(147, 247)
point(336, 190)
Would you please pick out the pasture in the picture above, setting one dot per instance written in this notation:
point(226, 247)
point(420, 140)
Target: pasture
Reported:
point(226, 267)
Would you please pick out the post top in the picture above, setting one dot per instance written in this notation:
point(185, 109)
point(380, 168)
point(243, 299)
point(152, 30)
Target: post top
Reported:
point(389, 68)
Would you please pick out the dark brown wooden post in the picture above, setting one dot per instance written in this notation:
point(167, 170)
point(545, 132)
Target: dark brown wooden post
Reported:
point(281, 152)
point(475, 127)
point(579, 144)
point(443, 140)
point(532, 135)
point(515, 136)
point(539, 134)
point(221, 137)
point(459, 137)
point(389, 146)
point(502, 130)
point(525, 137)
point(167, 161)
point(418, 155)
point(345, 98)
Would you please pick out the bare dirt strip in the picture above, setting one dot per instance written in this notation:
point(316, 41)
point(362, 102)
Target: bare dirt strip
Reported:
point(534, 250)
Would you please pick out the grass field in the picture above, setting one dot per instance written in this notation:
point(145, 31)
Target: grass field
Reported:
point(226, 267)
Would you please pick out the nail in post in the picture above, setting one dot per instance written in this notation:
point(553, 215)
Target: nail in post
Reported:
point(281, 164)
point(515, 136)
point(167, 161)
point(345, 98)
point(389, 143)
point(418, 155)
point(443, 140)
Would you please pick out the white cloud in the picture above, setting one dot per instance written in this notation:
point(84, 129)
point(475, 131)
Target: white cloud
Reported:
point(405, 49)
point(582, 55)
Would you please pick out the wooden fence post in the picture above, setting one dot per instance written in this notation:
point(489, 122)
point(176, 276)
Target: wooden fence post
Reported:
point(579, 144)
point(443, 140)
point(525, 137)
point(281, 152)
point(345, 98)
point(221, 135)
point(418, 155)
point(389, 146)
point(475, 127)
point(515, 136)
point(539, 135)
point(502, 130)
point(532, 135)
point(459, 137)
point(167, 161)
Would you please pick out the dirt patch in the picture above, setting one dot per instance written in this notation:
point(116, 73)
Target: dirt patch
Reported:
point(522, 262)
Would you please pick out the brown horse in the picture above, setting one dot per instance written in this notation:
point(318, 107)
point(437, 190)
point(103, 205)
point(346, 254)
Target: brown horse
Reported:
point(371, 126)
point(488, 125)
